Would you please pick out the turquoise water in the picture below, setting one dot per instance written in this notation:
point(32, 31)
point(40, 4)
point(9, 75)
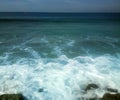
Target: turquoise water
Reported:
point(60, 58)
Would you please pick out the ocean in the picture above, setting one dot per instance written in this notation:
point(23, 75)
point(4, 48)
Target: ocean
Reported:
point(54, 56)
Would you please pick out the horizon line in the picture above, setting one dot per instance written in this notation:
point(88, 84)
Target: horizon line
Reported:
point(51, 12)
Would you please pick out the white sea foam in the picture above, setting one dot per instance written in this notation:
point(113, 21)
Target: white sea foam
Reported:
point(58, 50)
point(62, 78)
point(32, 52)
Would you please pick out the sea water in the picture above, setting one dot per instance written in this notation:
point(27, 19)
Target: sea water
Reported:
point(56, 60)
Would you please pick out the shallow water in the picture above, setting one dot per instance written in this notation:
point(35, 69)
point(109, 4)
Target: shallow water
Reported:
point(56, 60)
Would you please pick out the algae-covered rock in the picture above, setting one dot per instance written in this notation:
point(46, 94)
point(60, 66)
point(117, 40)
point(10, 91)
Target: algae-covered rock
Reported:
point(108, 96)
point(11, 97)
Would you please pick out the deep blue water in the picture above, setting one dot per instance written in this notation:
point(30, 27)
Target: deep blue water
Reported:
point(37, 15)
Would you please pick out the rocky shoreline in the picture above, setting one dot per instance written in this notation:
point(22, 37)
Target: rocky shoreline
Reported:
point(112, 94)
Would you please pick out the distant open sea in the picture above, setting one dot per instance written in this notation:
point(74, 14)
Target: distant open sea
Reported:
point(57, 16)
point(54, 56)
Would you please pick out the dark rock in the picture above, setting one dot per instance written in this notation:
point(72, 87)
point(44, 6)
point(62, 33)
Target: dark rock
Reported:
point(112, 90)
point(108, 96)
point(11, 97)
point(91, 86)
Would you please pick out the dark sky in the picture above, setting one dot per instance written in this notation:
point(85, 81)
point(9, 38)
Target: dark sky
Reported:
point(59, 5)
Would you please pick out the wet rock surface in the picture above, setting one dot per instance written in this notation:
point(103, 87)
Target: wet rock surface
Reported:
point(12, 97)
point(91, 86)
point(108, 96)
point(111, 93)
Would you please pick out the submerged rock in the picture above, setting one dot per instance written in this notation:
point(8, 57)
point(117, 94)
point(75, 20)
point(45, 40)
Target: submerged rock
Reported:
point(11, 97)
point(91, 86)
point(41, 90)
point(108, 96)
point(112, 90)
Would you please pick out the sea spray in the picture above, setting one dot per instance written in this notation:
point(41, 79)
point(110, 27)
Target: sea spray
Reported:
point(61, 79)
